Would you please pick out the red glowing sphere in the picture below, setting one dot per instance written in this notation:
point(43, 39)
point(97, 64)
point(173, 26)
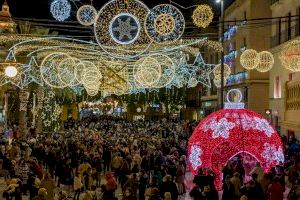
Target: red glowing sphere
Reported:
point(228, 132)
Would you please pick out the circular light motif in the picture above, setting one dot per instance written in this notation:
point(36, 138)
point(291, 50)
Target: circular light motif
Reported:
point(60, 9)
point(290, 56)
point(202, 16)
point(217, 71)
point(266, 61)
point(86, 15)
point(11, 71)
point(164, 23)
point(124, 28)
point(249, 59)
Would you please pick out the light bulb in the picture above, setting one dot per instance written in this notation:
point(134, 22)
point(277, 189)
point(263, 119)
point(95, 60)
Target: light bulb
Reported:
point(11, 71)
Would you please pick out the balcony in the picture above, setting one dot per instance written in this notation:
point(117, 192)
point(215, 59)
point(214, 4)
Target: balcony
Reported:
point(285, 35)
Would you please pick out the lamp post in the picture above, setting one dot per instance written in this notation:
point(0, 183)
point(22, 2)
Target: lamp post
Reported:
point(222, 53)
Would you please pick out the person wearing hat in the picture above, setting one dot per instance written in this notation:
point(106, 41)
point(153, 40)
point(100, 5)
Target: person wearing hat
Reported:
point(42, 193)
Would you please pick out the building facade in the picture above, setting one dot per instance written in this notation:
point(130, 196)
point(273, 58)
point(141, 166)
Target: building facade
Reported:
point(241, 33)
point(284, 84)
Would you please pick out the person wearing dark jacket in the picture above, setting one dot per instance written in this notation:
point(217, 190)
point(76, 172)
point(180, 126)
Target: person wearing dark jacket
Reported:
point(228, 189)
point(169, 186)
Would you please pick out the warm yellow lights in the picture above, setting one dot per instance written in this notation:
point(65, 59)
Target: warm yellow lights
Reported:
point(266, 61)
point(290, 56)
point(217, 71)
point(249, 59)
point(11, 71)
point(202, 16)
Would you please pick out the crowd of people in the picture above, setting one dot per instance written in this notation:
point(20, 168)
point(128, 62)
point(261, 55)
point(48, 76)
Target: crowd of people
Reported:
point(98, 160)
point(117, 159)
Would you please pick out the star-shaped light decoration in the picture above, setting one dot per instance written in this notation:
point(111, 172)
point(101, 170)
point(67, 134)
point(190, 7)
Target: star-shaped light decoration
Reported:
point(32, 73)
point(124, 28)
point(18, 80)
point(203, 70)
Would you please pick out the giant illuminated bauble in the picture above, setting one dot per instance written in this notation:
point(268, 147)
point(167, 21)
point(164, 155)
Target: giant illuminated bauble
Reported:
point(290, 56)
point(266, 61)
point(60, 9)
point(217, 71)
point(249, 59)
point(202, 16)
point(11, 71)
point(86, 15)
point(229, 132)
point(164, 23)
point(124, 28)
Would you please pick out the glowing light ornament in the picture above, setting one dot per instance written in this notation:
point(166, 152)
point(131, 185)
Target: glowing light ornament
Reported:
point(249, 59)
point(164, 23)
point(217, 82)
point(86, 15)
point(217, 71)
point(290, 56)
point(124, 28)
point(229, 132)
point(266, 61)
point(202, 16)
point(11, 71)
point(60, 9)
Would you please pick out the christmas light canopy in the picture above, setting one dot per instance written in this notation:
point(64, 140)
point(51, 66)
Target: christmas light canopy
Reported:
point(229, 132)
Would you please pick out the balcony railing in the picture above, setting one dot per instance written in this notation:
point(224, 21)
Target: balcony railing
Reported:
point(292, 99)
point(285, 35)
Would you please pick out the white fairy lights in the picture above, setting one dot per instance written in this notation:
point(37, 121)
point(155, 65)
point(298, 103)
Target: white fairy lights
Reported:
point(290, 56)
point(60, 9)
point(195, 156)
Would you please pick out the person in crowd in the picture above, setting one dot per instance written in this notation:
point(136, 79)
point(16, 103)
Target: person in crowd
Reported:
point(227, 170)
point(42, 193)
point(275, 190)
point(169, 186)
point(228, 189)
point(236, 182)
point(49, 184)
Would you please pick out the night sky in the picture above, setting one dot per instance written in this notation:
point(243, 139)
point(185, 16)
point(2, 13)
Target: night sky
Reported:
point(39, 9)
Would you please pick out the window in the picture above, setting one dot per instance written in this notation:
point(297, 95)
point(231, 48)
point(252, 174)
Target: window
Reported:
point(245, 15)
point(291, 76)
point(277, 88)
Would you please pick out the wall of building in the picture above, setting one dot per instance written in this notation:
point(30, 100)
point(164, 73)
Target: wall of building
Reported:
point(279, 75)
point(249, 36)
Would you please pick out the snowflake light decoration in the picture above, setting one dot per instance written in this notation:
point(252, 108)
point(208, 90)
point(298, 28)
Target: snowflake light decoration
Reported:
point(164, 23)
point(263, 125)
point(195, 156)
point(124, 28)
point(60, 9)
point(269, 152)
point(221, 128)
point(86, 15)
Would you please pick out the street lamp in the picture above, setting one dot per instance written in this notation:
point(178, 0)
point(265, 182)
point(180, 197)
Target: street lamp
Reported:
point(222, 53)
